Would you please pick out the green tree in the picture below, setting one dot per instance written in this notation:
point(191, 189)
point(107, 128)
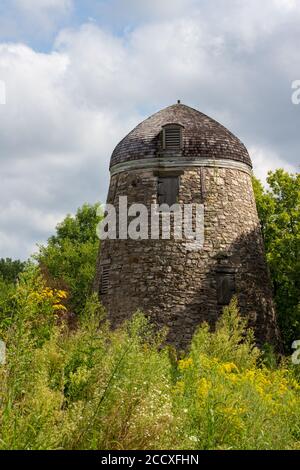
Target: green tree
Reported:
point(9, 273)
point(69, 257)
point(279, 212)
point(10, 270)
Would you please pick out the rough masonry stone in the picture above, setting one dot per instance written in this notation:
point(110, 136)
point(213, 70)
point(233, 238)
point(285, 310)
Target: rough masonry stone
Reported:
point(176, 287)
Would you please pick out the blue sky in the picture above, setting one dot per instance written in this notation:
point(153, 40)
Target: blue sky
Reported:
point(80, 74)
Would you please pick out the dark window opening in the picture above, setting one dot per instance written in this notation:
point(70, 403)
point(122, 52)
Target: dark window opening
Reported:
point(104, 279)
point(168, 190)
point(172, 137)
point(225, 287)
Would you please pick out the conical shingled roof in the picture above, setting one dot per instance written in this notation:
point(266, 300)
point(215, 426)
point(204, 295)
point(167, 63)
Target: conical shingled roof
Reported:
point(202, 137)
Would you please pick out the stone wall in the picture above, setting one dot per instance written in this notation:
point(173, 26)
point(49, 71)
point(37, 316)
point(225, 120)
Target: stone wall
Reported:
point(177, 287)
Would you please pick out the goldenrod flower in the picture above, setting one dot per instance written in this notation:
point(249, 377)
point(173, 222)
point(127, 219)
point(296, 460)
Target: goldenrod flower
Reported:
point(185, 363)
point(204, 388)
point(229, 368)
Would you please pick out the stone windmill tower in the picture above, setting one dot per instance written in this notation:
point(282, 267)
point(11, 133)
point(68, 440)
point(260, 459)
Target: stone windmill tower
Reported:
point(182, 156)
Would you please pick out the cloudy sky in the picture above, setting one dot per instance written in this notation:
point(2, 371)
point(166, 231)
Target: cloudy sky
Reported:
point(80, 74)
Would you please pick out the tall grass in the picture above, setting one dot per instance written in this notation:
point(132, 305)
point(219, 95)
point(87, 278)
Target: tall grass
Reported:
point(93, 388)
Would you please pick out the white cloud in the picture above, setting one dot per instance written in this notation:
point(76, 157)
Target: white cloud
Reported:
point(67, 109)
point(265, 160)
point(44, 5)
point(33, 19)
point(44, 13)
point(55, 149)
point(134, 11)
point(246, 22)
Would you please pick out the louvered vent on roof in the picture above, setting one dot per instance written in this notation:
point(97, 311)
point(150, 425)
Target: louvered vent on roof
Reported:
point(172, 137)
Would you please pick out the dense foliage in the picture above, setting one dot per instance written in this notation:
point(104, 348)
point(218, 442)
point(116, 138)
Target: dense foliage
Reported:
point(279, 212)
point(70, 256)
point(9, 273)
point(93, 388)
point(87, 387)
point(10, 270)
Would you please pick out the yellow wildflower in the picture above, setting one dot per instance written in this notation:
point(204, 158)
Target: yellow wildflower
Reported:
point(233, 411)
point(204, 388)
point(179, 387)
point(229, 368)
point(59, 307)
point(61, 294)
point(234, 378)
point(185, 363)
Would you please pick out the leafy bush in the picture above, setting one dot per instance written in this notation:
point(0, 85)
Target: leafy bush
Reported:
point(230, 400)
point(69, 258)
point(91, 388)
point(94, 388)
point(279, 214)
point(10, 270)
